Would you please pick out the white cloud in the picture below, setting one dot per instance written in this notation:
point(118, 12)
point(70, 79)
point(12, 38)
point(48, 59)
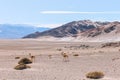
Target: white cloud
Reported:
point(48, 25)
point(77, 12)
point(39, 25)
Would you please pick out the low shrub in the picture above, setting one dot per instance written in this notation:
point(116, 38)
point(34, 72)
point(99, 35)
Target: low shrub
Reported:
point(75, 54)
point(95, 75)
point(25, 61)
point(50, 56)
point(21, 67)
point(17, 57)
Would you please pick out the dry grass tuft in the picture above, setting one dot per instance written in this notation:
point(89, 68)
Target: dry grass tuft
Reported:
point(50, 56)
point(25, 61)
point(75, 54)
point(59, 49)
point(21, 67)
point(95, 75)
point(17, 57)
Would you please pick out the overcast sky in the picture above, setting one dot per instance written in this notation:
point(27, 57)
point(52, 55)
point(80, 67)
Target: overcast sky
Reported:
point(52, 13)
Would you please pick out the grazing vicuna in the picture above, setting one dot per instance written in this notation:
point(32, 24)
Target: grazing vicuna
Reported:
point(65, 57)
point(50, 56)
point(32, 57)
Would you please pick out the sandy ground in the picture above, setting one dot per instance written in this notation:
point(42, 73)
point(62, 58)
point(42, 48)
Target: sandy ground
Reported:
point(93, 58)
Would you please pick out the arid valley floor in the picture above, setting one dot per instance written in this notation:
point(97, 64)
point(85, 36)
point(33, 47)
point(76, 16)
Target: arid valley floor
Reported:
point(49, 63)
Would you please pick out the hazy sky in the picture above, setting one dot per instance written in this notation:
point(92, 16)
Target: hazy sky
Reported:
point(50, 13)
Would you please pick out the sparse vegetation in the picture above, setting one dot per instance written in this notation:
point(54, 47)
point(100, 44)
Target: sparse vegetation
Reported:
point(115, 58)
point(118, 49)
point(21, 67)
point(22, 63)
point(17, 57)
point(75, 54)
point(82, 46)
point(95, 75)
point(111, 44)
point(101, 51)
point(25, 61)
point(59, 49)
point(50, 56)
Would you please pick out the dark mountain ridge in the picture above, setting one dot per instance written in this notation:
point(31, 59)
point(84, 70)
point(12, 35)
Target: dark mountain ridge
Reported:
point(86, 28)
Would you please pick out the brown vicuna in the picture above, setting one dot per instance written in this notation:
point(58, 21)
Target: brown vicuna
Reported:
point(65, 57)
point(32, 57)
point(50, 56)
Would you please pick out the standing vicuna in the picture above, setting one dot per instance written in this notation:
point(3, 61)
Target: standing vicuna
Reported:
point(32, 57)
point(65, 57)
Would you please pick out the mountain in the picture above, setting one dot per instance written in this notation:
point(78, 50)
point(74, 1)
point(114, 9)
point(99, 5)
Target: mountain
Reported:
point(10, 31)
point(83, 30)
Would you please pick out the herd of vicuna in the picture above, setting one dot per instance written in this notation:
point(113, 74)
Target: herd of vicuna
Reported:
point(24, 61)
point(63, 54)
point(22, 64)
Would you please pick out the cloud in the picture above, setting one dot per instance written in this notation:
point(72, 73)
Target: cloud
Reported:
point(54, 25)
point(48, 25)
point(77, 12)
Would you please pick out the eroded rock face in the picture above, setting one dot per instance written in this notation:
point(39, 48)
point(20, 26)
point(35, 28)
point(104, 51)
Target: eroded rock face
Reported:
point(109, 29)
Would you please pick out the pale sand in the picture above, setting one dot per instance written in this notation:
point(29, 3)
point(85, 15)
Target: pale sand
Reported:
point(92, 59)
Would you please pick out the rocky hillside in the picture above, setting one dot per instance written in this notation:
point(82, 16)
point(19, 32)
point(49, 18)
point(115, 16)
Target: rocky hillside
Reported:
point(83, 28)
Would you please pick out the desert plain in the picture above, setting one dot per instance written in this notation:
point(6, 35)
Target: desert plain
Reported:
point(49, 64)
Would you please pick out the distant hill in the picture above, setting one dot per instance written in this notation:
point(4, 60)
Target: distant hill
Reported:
point(83, 30)
point(10, 31)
